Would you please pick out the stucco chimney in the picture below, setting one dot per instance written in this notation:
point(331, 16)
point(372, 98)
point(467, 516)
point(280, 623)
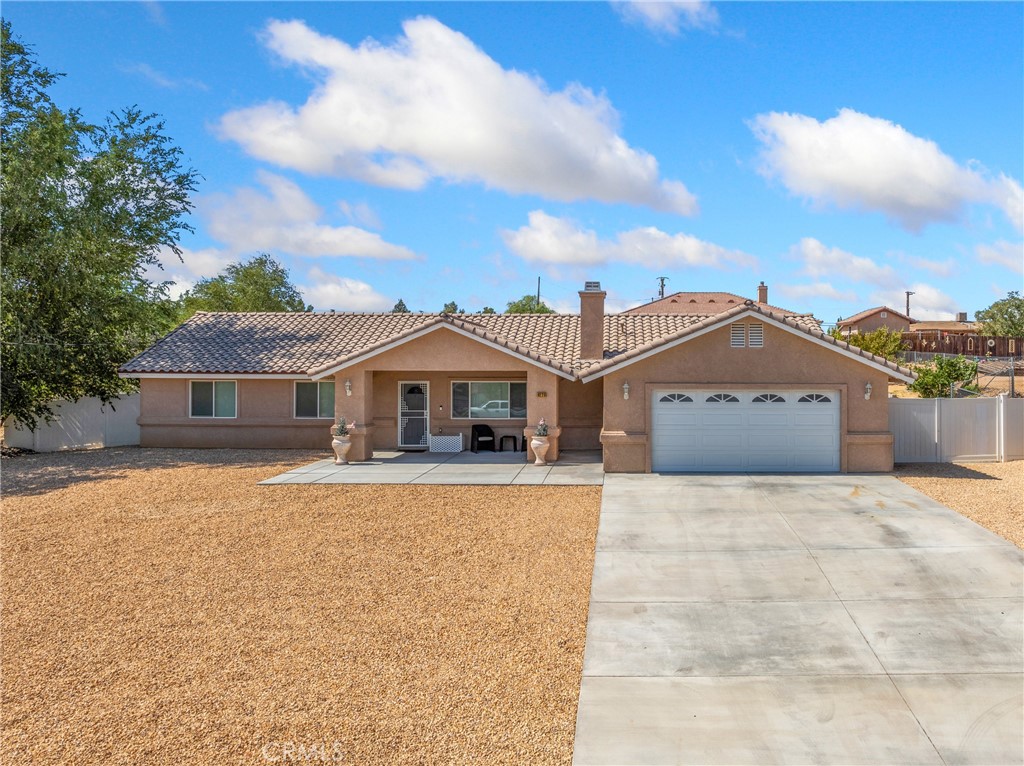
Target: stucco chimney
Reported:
point(961, 316)
point(762, 292)
point(592, 321)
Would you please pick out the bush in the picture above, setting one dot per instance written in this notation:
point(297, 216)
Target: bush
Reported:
point(935, 378)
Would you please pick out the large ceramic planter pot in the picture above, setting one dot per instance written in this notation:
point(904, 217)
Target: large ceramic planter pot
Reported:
point(540, 449)
point(341, 444)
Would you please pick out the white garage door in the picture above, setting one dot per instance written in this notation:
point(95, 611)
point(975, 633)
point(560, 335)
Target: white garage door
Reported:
point(745, 431)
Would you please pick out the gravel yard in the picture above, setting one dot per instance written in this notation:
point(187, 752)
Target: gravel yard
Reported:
point(160, 607)
point(991, 494)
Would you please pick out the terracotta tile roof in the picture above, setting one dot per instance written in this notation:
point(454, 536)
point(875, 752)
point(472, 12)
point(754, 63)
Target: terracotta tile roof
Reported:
point(803, 323)
point(306, 343)
point(868, 312)
point(701, 303)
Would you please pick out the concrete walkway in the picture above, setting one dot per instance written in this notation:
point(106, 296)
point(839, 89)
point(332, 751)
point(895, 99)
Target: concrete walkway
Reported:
point(450, 468)
point(798, 620)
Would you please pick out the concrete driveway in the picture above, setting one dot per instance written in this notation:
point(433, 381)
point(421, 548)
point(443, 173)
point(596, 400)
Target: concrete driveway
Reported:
point(798, 620)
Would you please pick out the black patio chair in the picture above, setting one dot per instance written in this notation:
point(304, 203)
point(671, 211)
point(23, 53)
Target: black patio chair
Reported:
point(482, 437)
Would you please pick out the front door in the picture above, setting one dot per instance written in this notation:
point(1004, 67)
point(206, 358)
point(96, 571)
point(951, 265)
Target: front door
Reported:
point(413, 415)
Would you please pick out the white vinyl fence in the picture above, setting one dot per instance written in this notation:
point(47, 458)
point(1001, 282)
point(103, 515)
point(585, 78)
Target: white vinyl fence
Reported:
point(987, 429)
point(81, 424)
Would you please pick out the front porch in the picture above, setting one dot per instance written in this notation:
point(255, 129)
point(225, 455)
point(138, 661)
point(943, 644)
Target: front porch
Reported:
point(582, 467)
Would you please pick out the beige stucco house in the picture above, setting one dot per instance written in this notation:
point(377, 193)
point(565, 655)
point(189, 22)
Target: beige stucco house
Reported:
point(743, 389)
point(870, 320)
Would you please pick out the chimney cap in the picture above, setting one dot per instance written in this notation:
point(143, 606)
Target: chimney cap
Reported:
point(592, 287)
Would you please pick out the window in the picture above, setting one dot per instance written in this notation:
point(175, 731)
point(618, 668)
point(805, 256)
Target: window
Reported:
point(490, 400)
point(722, 398)
point(212, 398)
point(814, 399)
point(678, 398)
point(768, 399)
point(314, 399)
point(883, 315)
point(743, 335)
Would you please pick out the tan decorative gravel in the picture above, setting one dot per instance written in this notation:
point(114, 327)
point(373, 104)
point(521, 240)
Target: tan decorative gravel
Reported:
point(992, 494)
point(160, 607)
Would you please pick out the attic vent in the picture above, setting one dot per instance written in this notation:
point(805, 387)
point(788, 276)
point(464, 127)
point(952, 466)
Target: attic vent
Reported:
point(755, 335)
point(711, 301)
point(692, 300)
point(674, 301)
point(730, 301)
point(737, 335)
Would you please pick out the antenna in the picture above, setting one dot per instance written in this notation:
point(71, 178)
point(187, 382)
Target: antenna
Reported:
point(661, 286)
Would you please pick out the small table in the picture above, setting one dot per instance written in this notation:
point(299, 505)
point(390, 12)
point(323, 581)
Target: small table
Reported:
point(501, 446)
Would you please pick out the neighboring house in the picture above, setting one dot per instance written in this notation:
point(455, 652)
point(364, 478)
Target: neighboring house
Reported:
point(960, 327)
point(744, 389)
point(875, 319)
point(712, 303)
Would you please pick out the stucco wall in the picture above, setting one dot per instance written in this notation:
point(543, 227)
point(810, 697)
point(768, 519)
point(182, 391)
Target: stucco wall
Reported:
point(785, 361)
point(264, 418)
point(875, 321)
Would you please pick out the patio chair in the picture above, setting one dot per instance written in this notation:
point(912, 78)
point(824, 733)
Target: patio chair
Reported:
point(482, 437)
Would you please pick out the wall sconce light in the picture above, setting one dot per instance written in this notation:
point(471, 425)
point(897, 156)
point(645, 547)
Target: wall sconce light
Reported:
point(867, 390)
point(625, 390)
point(348, 388)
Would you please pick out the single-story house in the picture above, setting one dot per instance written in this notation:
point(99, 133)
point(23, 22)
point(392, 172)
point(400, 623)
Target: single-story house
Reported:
point(870, 320)
point(744, 389)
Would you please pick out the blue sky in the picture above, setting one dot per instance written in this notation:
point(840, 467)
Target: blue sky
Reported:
point(841, 152)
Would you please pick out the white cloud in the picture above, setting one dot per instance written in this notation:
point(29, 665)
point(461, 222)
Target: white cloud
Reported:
point(820, 261)
point(193, 266)
point(162, 80)
point(866, 163)
point(667, 16)
point(926, 303)
point(433, 105)
point(1003, 253)
point(287, 220)
point(360, 213)
point(938, 268)
point(329, 291)
point(558, 241)
point(822, 290)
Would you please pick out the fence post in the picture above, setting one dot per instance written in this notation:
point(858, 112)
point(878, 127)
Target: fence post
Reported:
point(938, 432)
point(1000, 433)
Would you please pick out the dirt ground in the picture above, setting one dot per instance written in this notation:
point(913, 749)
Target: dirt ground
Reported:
point(160, 607)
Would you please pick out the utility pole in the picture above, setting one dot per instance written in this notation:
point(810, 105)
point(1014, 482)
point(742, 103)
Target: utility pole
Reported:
point(661, 286)
point(909, 293)
point(538, 293)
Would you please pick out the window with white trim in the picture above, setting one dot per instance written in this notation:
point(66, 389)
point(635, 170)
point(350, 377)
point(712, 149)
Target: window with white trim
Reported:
point(213, 398)
point(314, 399)
point(489, 399)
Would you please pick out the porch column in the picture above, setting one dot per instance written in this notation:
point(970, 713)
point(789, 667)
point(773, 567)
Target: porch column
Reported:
point(542, 402)
point(358, 407)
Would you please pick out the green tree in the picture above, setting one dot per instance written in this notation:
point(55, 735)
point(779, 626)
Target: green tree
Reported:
point(881, 342)
point(487, 310)
point(935, 378)
point(1004, 317)
point(86, 209)
point(400, 308)
point(261, 284)
point(452, 308)
point(528, 304)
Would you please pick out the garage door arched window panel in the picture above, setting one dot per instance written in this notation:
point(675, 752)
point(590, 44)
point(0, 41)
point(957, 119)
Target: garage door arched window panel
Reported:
point(814, 399)
point(769, 399)
point(726, 398)
point(677, 398)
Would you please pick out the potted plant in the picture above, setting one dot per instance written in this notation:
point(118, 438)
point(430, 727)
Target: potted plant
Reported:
point(540, 443)
point(340, 442)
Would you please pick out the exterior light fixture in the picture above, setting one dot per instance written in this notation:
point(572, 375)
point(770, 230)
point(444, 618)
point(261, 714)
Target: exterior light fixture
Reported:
point(625, 390)
point(867, 390)
point(348, 388)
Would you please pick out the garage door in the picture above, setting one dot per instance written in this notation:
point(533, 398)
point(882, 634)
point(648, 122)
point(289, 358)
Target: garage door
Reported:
point(745, 431)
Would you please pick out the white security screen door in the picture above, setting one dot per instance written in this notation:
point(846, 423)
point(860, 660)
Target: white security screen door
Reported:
point(413, 414)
